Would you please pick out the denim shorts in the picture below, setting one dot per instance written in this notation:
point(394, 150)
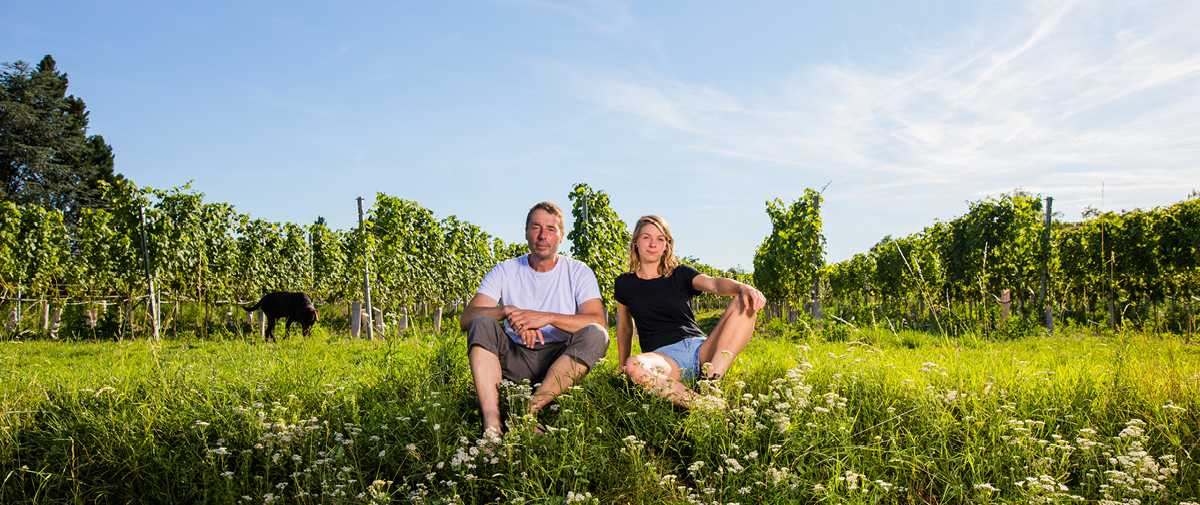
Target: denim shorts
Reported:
point(686, 354)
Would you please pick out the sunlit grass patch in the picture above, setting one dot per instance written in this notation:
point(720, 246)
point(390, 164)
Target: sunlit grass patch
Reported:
point(863, 419)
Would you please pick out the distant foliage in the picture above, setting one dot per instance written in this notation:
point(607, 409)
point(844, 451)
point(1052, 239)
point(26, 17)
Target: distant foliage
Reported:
point(464, 259)
point(997, 245)
point(505, 251)
point(208, 253)
point(407, 241)
point(1152, 255)
point(1135, 258)
point(34, 249)
point(709, 300)
point(331, 279)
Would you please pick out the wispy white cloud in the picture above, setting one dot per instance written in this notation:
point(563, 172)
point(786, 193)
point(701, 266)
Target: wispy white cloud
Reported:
point(1055, 97)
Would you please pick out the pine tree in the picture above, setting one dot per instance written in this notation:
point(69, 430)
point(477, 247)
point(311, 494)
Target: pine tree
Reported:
point(46, 156)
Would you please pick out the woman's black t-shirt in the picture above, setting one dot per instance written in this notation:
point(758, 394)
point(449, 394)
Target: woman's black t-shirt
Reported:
point(659, 306)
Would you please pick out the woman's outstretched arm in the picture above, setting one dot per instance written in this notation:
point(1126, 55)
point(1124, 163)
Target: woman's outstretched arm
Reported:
point(752, 299)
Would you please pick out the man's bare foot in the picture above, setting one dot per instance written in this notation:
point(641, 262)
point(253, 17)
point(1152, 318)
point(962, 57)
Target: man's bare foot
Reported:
point(491, 440)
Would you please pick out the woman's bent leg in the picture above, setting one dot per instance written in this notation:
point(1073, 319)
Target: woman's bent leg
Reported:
point(659, 375)
point(728, 339)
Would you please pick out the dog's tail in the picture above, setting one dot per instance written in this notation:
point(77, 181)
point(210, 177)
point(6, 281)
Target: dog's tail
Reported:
point(254, 307)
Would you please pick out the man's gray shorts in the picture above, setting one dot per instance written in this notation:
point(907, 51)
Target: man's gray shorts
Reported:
point(518, 362)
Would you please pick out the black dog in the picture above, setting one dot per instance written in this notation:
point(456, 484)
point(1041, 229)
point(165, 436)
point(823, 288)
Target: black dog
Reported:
point(293, 306)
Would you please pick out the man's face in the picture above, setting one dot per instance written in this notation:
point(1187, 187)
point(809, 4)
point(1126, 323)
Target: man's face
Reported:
point(543, 234)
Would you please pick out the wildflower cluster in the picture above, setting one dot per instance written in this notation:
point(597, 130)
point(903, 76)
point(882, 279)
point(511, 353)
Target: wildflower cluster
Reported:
point(302, 459)
point(1121, 469)
point(1132, 473)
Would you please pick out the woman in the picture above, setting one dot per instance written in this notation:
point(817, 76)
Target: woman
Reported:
point(655, 294)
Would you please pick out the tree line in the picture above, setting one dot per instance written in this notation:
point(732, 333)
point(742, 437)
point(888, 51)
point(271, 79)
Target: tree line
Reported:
point(74, 234)
point(205, 254)
point(209, 256)
point(205, 258)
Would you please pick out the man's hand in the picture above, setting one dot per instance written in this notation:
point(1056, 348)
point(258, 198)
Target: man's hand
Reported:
point(528, 337)
point(522, 319)
point(483, 305)
point(528, 324)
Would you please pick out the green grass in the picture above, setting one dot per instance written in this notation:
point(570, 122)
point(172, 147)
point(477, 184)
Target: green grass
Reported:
point(866, 417)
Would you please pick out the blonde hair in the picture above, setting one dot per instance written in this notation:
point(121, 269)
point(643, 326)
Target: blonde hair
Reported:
point(668, 263)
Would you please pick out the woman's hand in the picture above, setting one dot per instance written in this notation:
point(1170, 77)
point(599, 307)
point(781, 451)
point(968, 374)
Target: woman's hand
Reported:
point(752, 299)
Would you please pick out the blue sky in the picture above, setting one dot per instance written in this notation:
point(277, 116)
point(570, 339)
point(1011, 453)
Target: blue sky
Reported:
point(696, 111)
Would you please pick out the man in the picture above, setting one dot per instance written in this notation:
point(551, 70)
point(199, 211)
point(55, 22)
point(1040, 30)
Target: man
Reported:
point(537, 317)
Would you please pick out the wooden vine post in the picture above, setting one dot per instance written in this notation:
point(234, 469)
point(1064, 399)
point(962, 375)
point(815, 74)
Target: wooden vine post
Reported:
point(366, 273)
point(1048, 315)
point(816, 263)
point(14, 322)
point(152, 300)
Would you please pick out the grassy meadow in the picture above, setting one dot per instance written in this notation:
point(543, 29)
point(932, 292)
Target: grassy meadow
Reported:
point(804, 417)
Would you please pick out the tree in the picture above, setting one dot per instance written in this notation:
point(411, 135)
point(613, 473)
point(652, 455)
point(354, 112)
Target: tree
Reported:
point(853, 279)
point(787, 262)
point(46, 156)
point(598, 237)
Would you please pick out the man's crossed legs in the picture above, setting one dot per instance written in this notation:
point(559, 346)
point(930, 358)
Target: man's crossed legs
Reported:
point(557, 365)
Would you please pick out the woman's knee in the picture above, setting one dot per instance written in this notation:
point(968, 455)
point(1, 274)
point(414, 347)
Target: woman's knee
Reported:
point(737, 307)
point(638, 370)
point(737, 304)
point(632, 366)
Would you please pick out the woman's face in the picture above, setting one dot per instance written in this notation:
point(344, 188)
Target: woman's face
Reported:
point(651, 244)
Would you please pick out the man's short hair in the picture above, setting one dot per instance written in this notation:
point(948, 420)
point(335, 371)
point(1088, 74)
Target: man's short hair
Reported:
point(550, 208)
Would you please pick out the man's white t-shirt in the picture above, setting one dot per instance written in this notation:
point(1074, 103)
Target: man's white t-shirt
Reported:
point(562, 290)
